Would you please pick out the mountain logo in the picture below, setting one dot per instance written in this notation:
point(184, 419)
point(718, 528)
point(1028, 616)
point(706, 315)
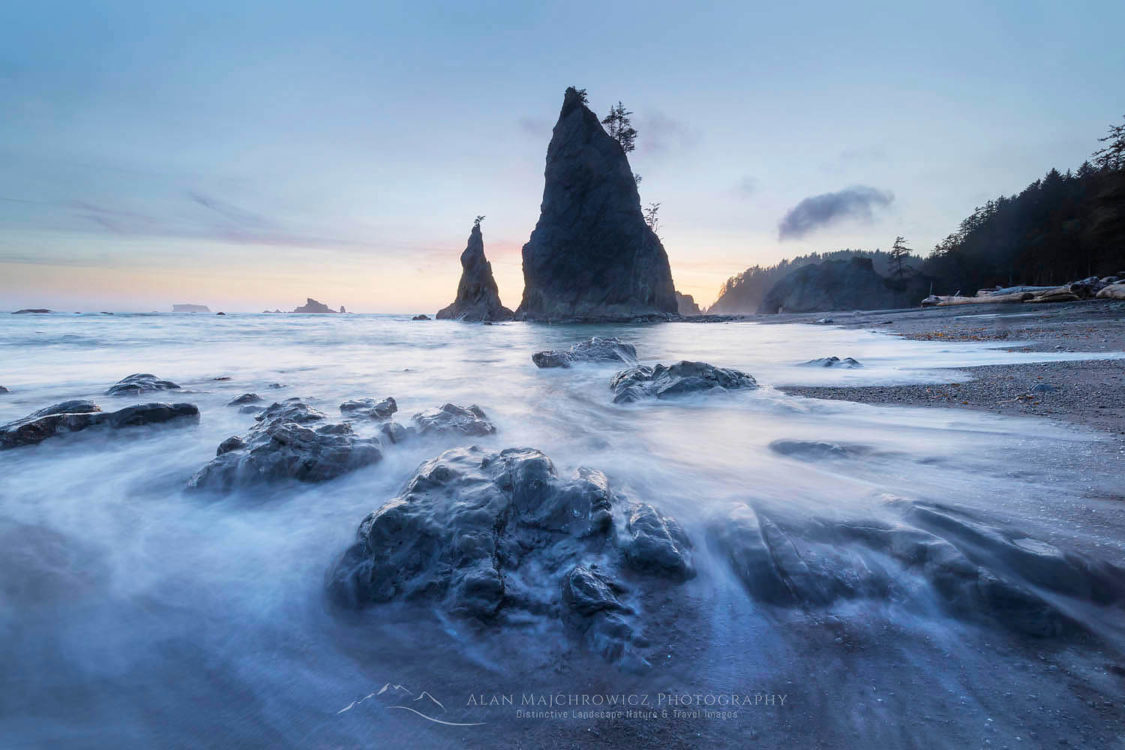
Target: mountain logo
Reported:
point(399, 697)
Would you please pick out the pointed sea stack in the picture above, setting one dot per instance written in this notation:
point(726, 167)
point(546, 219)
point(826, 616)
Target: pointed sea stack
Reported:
point(477, 296)
point(591, 255)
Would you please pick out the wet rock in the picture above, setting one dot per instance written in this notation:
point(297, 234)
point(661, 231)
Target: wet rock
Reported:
point(290, 440)
point(845, 363)
point(276, 386)
point(454, 419)
point(1044, 388)
point(657, 544)
point(245, 398)
point(595, 349)
point(421, 317)
point(814, 450)
point(977, 572)
point(3, 390)
point(145, 414)
point(591, 254)
point(498, 536)
point(394, 433)
point(230, 444)
point(140, 383)
point(32, 311)
point(370, 408)
point(478, 298)
point(679, 379)
point(74, 416)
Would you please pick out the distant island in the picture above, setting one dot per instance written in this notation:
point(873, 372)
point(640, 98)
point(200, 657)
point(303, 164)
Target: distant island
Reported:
point(312, 306)
point(186, 308)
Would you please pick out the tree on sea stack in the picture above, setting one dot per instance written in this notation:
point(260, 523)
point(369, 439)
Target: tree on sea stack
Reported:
point(592, 255)
point(478, 298)
point(899, 253)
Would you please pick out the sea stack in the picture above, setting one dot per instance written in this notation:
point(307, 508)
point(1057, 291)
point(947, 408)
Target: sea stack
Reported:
point(591, 254)
point(477, 296)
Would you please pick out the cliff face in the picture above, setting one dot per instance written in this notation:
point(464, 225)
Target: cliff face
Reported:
point(838, 285)
point(686, 304)
point(591, 253)
point(477, 295)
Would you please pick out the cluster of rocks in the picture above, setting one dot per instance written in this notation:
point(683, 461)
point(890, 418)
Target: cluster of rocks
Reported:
point(595, 349)
point(292, 440)
point(77, 415)
point(1106, 287)
point(499, 537)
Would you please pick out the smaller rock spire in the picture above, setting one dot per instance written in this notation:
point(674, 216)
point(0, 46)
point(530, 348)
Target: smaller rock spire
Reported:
point(477, 295)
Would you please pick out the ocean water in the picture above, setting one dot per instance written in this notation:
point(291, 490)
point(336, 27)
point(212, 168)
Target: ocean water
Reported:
point(133, 614)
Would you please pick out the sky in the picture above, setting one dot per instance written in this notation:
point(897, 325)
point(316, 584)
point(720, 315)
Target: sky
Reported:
point(247, 155)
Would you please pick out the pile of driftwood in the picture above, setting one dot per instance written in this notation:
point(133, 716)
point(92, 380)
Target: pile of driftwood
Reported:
point(1107, 287)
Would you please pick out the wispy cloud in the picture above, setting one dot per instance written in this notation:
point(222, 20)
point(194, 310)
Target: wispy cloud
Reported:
point(815, 212)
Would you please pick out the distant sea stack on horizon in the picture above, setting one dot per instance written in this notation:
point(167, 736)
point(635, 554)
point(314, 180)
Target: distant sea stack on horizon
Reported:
point(312, 306)
point(591, 254)
point(478, 298)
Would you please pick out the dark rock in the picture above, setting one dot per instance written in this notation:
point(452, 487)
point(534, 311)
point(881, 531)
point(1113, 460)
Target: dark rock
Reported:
point(222, 378)
point(851, 284)
point(477, 296)
point(312, 306)
point(394, 433)
point(245, 398)
point(32, 311)
point(685, 305)
point(825, 321)
point(220, 313)
point(369, 407)
point(73, 416)
point(978, 572)
point(140, 383)
point(145, 414)
point(342, 310)
point(1043, 388)
point(276, 386)
point(496, 537)
point(287, 442)
point(421, 317)
point(657, 544)
point(813, 450)
point(846, 363)
point(676, 380)
point(4, 390)
point(592, 350)
point(456, 419)
point(591, 253)
point(233, 443)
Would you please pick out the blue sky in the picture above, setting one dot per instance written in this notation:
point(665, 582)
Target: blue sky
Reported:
point(246, 155)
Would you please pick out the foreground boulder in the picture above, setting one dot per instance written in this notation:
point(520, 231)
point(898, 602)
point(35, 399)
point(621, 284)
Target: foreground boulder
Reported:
point(73, 416)
point(290, 440)
point(591, 254)
point(499, 537)
point(594, 349)
point(138, 383)
point(682, 378)
point(478, 298)
point(975, 571)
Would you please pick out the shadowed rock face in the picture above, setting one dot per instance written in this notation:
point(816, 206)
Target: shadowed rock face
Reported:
point(477, 296)
point(669, 381)
point(500, 537)
point(312, 306)
point(686, 305)
point(74, 416)
point(591, 254)
point(851, 284)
